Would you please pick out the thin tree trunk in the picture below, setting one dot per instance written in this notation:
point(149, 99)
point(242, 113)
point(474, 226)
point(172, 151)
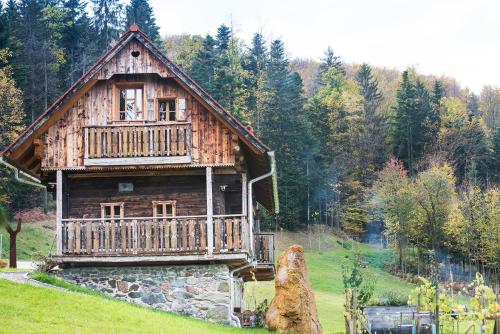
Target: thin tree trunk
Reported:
point(12, 243)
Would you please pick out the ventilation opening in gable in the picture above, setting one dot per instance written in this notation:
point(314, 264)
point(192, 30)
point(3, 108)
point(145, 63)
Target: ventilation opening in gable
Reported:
point(135, 54)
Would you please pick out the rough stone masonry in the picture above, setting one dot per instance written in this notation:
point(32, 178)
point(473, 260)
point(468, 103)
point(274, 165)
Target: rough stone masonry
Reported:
point(202, 291)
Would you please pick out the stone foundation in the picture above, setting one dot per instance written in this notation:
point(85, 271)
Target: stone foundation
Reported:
point(202, 291)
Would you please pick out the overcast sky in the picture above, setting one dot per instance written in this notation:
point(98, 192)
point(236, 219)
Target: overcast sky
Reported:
point(458, 38)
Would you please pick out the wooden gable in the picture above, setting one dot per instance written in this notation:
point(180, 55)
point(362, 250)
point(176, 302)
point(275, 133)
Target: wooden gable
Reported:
point(56, 139)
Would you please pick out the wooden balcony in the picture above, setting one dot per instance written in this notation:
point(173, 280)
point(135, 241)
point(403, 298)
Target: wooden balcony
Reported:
point(144, 236)
point(130, 144)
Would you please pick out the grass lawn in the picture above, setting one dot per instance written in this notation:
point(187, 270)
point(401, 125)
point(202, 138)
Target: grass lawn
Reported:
point(325, 273)
point(34, 237)
point(28, 309)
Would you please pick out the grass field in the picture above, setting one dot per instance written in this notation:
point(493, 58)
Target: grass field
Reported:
point(28, 309)
point(324, 268)
point(325, 273)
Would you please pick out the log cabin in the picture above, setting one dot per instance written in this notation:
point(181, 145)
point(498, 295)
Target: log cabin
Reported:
point(153, 180)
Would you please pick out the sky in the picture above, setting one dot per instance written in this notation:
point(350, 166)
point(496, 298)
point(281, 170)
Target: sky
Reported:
point(457, 38)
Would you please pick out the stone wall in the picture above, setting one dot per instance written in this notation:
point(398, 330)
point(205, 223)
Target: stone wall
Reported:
point(202, 291)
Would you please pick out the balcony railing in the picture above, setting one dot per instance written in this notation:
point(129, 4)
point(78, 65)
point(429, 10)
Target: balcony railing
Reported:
point(152, 143)
point(152, 236)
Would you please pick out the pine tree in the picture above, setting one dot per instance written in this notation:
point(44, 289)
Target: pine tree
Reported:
point(254, 63)
point(77, 42)
point(202, 69)
point(372, 144)
point(284, 129)
point(141, 13)
point(3, 28)
point(106, 21)
point(330, 60)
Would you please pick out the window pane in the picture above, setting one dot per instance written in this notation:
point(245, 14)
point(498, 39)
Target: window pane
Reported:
point(170, 209)
point(159, 210)
point(117, 211)
point(163, 116)
point(171, 116)
point(130, 93)
point(107, 211)
point(171, 105)
point(122, 99)
point(163, 106)
point(138, 97)
point(130, 109)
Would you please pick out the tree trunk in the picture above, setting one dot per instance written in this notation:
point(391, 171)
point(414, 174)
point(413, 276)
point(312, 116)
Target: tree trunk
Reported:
point(12, 243)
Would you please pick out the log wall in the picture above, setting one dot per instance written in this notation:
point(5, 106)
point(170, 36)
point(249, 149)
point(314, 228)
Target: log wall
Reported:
point(83, 201)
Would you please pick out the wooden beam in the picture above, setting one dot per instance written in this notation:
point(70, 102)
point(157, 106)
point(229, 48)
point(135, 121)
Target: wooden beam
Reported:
point(210, 212)
point(59, 195)
point(137, 161)
point(230, 258)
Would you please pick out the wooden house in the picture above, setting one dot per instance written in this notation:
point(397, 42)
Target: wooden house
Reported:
point(149, 170)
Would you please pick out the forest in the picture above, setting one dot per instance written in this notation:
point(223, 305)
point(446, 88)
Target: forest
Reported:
point(354, 142)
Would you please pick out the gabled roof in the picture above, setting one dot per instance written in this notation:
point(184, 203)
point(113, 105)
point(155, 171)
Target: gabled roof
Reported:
point(254, 149)
point(247, 136)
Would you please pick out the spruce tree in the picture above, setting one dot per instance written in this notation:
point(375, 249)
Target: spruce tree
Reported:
point(140, 12)
point(203, 67)
point(106, 21)
point(373, 144)
point(284, 129)
point(402, 122)
point(330, 60)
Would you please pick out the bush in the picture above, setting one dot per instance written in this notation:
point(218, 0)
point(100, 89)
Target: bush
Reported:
point(390, 298)
point(3, 263)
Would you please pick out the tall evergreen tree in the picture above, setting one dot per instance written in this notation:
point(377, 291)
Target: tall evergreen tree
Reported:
point(202, 69)
point(284, 128)
point(106, 21)
point(141, 13)
point(77, 42)
point(255, 65)
point(372, 135)
point(414, 122)
point(330, 60)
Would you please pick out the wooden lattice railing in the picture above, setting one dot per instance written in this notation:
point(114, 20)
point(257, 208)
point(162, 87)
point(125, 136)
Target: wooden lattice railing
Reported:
point(152, 236)
point(132, 141)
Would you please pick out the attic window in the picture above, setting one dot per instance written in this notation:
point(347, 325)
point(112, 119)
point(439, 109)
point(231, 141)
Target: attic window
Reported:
point(135, 54)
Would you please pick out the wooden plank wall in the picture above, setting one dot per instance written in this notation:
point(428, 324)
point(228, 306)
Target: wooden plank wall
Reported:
point(82, 200)
point(124, 62)
point(63, 143)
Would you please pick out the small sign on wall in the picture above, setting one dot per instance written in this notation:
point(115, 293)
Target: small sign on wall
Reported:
point(125, 187)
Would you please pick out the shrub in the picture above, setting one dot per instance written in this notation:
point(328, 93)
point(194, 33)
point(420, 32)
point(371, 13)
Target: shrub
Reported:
point(390, 298)
point(3, 263)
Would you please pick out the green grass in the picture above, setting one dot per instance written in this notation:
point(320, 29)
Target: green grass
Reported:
point(33, 238)
point(29, 309)
point(325, 273)
point(52, 280)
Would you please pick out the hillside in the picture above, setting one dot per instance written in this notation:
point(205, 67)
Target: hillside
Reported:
point(29, 309)
point(325, 273)
point(33, 238)
point(324, 268)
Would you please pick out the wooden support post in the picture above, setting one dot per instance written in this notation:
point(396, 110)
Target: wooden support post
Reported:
point(59, 195)
point(244, 194)
point(210, 213)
